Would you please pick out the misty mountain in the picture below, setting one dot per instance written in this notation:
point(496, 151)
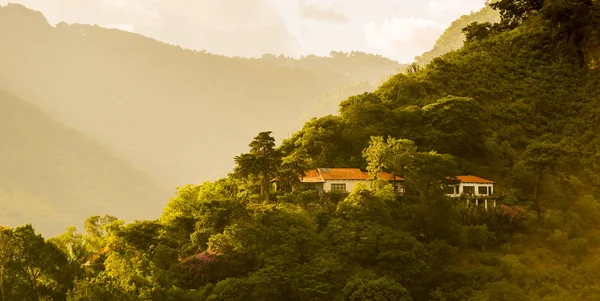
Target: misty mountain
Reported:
point(177, 114)
point(54, 177)
point(453, 38)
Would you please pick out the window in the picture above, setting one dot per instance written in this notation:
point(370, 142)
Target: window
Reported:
point(310, 186)
point(338, 187)
point(449, 190)
point(400, 188)
point(469, 190)
point(483, 190)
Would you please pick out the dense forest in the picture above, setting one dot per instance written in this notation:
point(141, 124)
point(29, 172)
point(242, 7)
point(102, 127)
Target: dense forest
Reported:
point(518, 103)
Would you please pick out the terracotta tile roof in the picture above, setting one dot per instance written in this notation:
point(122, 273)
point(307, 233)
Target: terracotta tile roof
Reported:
point(342, 174)
point(323, 174)
point(312, 176)
point(388, 176)
point(474, 179)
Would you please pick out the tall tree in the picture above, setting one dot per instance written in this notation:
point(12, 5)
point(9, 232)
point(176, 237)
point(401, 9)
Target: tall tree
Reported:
point(37, 269)
point(261, 162)
point(293, 167)
point(399, 154)
point(7, 251)
point(393, 155)
point(428, 171)
point(571, 18)
point(543, 158)
point(375, 155)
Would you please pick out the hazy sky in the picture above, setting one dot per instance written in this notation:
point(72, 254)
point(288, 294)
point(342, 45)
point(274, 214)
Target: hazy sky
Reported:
point(399, 29)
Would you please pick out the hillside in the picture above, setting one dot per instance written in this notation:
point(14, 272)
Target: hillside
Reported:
point(453, 37)
point(519, 104)
point(485, 104)
point(177, 114)
point(54, 177)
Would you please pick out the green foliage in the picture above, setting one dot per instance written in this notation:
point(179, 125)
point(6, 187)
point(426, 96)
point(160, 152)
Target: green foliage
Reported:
point(31, 268)
point(508, 106)
point(393, 155)
point(382, 289)
point(513, 12)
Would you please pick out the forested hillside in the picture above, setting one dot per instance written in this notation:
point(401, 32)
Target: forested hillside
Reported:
point(453, 38)
point(519, 104)
point(54, 177)
point(175, 113)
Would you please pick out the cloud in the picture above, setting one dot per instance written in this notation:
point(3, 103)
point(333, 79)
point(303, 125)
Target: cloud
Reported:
point(399, 29)
point(315, 12)
point(453, 6)
point(394, 32)
point(230, 27)
point(123, 27)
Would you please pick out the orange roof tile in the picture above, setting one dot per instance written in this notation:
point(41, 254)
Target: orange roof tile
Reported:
point(323, 174)
point(312, 176)
point(342, 174)
point(473, 179)
point(388, 176)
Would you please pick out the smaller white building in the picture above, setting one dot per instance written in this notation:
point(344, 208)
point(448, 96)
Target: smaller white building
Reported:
point(470, 186)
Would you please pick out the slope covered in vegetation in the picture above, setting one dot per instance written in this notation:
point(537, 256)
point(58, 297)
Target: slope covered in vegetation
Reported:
point(175, 113)
point(54, 177)
point(518, 104)
point(453, 38)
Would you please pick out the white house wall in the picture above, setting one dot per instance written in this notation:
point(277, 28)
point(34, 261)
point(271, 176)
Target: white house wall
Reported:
point(476, 185)
point(350, 184)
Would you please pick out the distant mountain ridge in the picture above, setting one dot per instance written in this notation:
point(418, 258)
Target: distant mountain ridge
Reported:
point(54, 177)
point(177, 114)
point(453, 37)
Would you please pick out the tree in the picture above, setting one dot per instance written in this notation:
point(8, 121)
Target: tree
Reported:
point(478, 31)
point(513, 12)
point(375, 155)
point(293, 167)
point(37, 270)
point(430, 171)
point(8, 249)
point(95, 226)
point(453, 125)
point(74, 245)
point(399, 154)
point(543, 158)
point(261, 162)
point(572, 19)
point(382, 289)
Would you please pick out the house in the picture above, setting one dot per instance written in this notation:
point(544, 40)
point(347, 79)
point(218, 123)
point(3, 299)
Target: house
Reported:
point(342, 179)
point(470, 186)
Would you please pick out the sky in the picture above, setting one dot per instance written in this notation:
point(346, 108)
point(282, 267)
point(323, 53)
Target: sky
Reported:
point(397, 29)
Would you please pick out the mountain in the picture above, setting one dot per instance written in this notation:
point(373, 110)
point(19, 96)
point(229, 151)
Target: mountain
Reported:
point(519, 104)
point(175, 113)
point(453, 37)
point(53, 176)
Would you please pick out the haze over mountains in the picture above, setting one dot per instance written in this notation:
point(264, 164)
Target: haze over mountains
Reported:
point(54, 176)
point(148, 100)
point(160, 114)
point(397, 29)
